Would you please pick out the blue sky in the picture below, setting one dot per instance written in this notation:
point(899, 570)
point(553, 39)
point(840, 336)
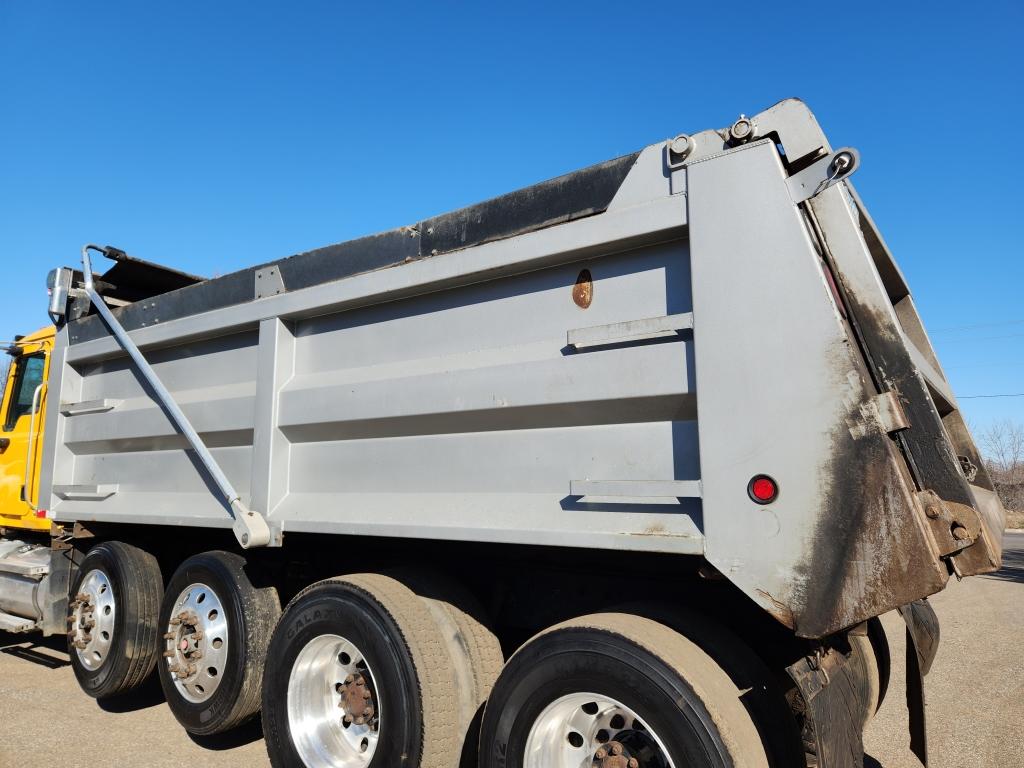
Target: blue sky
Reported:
point(212, 136)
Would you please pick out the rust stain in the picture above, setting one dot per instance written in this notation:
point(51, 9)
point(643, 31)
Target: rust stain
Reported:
point(583, 289)
point(779, 610)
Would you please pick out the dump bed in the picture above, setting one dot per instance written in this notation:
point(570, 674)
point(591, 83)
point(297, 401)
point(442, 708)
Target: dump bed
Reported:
point(607, 360)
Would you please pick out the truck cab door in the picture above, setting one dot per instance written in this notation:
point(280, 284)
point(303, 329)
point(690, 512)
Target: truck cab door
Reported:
point(21, 422)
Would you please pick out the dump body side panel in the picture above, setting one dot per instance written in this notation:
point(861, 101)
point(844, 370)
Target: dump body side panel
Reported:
point(382, 405)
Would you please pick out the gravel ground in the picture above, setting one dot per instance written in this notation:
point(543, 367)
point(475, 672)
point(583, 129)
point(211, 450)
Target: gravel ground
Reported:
point(975, 698)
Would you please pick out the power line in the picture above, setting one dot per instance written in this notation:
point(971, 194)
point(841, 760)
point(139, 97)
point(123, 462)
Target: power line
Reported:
point(975, 397)
point(983, 338)
point(952, 328)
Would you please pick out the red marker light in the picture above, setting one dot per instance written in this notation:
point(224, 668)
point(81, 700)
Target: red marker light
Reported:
point(762, 489)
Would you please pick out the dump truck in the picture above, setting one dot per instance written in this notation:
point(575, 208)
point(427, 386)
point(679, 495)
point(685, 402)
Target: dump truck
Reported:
point(617, 470)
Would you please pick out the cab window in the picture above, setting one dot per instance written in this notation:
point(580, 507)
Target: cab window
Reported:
point(27, 376)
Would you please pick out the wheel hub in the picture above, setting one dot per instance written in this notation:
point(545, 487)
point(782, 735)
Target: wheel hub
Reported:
point(331, 673)
point(588, 730)
point(196, 643)
point(614, 755)
point(357, 700)
point(185, 652)
point(91, 620)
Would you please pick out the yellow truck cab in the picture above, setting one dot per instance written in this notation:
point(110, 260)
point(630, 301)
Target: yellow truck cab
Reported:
point(21, 421)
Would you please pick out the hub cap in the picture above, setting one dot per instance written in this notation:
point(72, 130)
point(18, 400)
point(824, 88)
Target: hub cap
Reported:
point(196, 643)
point(333, 705)
point(91, 620)
point(588, 730)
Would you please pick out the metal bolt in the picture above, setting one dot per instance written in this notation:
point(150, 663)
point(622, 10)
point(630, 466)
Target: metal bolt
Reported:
point(842, 162)
point(349, 679)
point(931, 511)
point(360, 720)
point(633, 763)
point(368, 711)
point(960, 533)
point(616, 748)
point(681, 146)
point(601, 754)
point(197, 635)
point(174, 621)
point(742, 129)
point(169, 636)
point(169, 654)
point(82, 597)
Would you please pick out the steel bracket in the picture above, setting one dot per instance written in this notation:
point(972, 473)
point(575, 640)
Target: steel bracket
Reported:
point(822, 174)
point(951, 527)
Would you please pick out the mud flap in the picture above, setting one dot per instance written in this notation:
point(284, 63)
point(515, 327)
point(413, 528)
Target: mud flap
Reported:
point(832, 692)
point(922, 645)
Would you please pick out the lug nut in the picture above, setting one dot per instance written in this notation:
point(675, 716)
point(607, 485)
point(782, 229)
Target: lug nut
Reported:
point(169, 636)
point(169, 654)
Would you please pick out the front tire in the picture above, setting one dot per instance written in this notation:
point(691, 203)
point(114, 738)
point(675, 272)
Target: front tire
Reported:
point(612, 685)
point(112, 622)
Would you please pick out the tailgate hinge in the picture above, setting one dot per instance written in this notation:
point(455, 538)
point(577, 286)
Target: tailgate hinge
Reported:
point(891, 415)
point(822, 174)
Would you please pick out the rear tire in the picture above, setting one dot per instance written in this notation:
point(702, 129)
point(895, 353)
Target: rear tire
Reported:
point(764, 697)
point(340, 640)
point(612, 681)
point(475, 650)
point(212, 684)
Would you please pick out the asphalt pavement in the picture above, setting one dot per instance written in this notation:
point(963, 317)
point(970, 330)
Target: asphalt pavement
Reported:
point(975, 696)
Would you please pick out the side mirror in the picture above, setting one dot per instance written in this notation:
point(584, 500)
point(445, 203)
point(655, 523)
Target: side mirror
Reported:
point(58, 284)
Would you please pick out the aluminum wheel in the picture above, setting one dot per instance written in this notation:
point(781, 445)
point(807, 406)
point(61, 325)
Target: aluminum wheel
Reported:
point(333, 705)
point(588, 730)
point(92, 619)
point(196, 643)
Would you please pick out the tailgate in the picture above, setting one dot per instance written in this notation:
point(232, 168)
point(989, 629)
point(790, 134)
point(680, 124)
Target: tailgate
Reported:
point(965, 516)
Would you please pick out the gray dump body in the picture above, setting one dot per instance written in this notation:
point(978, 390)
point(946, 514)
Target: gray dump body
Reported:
point(604, 361)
